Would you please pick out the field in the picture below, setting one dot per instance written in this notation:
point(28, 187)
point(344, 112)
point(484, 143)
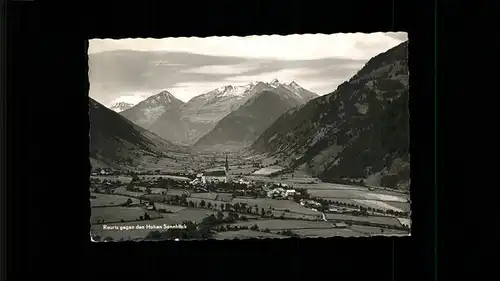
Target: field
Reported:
point(150, 177)
point(190, 214)
point(246, 234)
point(123, 179)
point(370, 230)
point(171, 208)
point(334, 232)
point(354, 194)
point(285, 224)
point(395, 206)
point(198, 200)
point(373, 219)
point(405, 221)
point(243, 170)
point(205, 195)
point(267, 171)
point(123, 190)
point(277, 204)
point(115, 214)
point(377, 205)
point(109, 199)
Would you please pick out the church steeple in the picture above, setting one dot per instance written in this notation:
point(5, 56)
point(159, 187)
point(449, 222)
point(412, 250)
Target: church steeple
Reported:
point(227, 165)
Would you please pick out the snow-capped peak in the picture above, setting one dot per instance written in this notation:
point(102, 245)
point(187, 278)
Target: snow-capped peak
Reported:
point(275, 82)
point(162, 97)
point(121, 106)
point(230, 91)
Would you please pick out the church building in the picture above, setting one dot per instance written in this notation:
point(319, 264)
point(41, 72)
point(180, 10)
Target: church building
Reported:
point(216, 176)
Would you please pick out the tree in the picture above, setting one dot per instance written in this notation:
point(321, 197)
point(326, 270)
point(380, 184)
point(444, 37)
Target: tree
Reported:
point(128, 202)
point(209, 205)
point(254, 227)
point(135, 178)
point(262, 212)
point(190, 204)
point(220, 216)
point(267, 230)
point(202, 204)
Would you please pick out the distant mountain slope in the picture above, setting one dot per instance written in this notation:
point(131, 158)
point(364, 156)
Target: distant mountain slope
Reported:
point(114, 139)
point(147, 111)
point(121, 106)
point(201, 114)
point(244, 125)
point(361, 130)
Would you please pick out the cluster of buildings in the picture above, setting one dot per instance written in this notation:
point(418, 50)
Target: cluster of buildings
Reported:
point(213, 176)
point(102, 172)
point(281, 193)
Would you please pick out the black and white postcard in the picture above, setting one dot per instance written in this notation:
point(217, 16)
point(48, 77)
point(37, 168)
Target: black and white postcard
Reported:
point(263, 137)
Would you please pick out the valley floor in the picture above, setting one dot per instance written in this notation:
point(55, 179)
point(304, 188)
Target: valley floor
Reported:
point(114, 220)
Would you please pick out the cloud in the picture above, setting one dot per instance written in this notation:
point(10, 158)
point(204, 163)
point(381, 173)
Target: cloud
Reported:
point(282, 75)
point(133, 98)
point(221, 69)
point(290, 47)
point(187, 67)
point(188, 90)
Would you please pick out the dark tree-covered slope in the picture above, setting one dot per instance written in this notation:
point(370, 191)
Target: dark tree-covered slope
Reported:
point(359, 131)
point(114, 139)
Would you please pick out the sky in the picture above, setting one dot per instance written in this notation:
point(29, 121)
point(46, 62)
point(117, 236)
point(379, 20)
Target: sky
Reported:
point(130, 70)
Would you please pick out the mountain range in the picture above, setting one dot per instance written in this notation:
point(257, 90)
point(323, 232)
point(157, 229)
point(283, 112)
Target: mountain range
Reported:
point(146, 112)
point(264, 103)
point(115, 141)
point(186, 123)
point(359, 131)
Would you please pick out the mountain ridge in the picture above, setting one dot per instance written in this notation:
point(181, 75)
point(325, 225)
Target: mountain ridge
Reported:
point(201, 113)
point(358, 131)
point(118, 141)
point(146, 112)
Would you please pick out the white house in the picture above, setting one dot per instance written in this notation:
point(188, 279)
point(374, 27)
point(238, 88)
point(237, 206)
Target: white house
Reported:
point(217, 176)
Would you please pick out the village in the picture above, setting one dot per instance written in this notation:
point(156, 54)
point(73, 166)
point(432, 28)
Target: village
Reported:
point(215, 203)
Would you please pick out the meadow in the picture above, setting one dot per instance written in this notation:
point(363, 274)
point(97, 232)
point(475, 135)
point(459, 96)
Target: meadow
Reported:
point(276, 224)
point(333, 232)
point(373, 219)
point(116, 214)
point(246, 234)
point(370, 230)
point(109, 199)
point(277, 205)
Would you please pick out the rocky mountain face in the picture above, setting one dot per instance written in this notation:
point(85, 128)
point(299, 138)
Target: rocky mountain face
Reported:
point(121, 106)
point(359, 131)
point(202, 113)
point(149, 110)
point(115, 140)
point(243, 126)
